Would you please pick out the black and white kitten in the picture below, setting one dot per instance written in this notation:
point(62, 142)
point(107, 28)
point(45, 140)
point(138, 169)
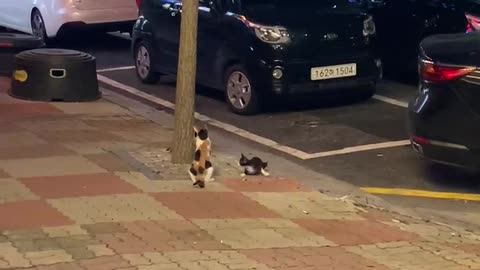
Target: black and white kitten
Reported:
point(253, 166)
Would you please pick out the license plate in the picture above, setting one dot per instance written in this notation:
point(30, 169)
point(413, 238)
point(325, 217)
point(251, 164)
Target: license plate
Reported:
point(332, 72)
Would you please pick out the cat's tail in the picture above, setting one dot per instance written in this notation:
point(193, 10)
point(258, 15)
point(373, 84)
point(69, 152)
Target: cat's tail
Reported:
point(264, 165)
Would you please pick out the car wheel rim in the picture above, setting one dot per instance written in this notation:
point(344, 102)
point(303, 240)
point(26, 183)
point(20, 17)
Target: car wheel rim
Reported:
point(239, 90)
point(38, 26)
point(143, 62)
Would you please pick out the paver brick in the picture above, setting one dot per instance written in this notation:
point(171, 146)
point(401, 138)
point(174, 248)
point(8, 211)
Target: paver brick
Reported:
point(100, 250)
point(64, 231)
point(80, 253)
point(214, 205)
point(459, 256)
point(30, 215)
point(60, 266)
point(104, 228)
point(110, 162)
point(140, 181)
point(221, 260)
point(48, 257)
point(19, 139)
point(78, 186)
point(264, 184)
point(115, 208)
point(404, 257)
point(34, 151)
point(99, 147)
point(50, 166)
point(169, 235)
point(437, 233)
point(104, 263)
point(13, 190)
point(260, 233)
point(298, 205)
point(356, 232)
point(11, 257)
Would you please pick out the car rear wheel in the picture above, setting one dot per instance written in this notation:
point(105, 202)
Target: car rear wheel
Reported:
point(38, 26)
point(144, 64)
point(240, 92)
point(367, 92)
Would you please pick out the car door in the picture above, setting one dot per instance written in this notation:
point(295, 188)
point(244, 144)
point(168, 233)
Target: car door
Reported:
point(165, 20)
point(208, 41)
point(15, 14)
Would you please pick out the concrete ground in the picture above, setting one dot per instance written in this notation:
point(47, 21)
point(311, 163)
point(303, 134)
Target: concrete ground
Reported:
point(90, 186)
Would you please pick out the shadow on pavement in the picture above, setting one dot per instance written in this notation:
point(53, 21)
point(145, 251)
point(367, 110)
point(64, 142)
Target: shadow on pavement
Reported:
point(453, 178)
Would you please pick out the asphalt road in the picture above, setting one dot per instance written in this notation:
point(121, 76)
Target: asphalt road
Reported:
point(318, 126)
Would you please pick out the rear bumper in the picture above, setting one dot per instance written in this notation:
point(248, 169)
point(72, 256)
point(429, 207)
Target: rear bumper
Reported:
point(454, 155)
point(442, 132)
point(108, 18)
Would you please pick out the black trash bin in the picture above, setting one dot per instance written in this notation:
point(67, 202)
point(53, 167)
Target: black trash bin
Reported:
point(13, 43)
point(55, 75)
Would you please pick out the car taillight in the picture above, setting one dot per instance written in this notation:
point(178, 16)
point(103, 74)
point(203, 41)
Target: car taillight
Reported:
point(433, 72)
point(473, 23)
point(139, 2)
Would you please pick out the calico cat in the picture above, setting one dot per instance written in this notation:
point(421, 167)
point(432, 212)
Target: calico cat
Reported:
point(254, 166)
point(201, 170)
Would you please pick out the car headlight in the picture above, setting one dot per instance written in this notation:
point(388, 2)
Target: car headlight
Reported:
point(268, 34)
point(272, 34)
point(369, 28)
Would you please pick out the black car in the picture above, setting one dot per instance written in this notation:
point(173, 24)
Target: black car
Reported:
point(403, 24)
point(444, 118)
point(256, 49)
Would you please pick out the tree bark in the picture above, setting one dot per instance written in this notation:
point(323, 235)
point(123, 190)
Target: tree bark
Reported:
point(183, 146)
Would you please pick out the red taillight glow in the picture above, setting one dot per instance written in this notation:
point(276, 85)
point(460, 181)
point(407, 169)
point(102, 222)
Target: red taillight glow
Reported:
point(419, 140)
point(6, 45)
point(432, 72)
point(473, 23)
point(139, 2)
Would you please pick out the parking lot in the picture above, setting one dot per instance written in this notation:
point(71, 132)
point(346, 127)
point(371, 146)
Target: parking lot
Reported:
point(361, 142)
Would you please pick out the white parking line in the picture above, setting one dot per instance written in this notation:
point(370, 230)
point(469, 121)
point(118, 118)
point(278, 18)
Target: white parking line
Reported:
point(121, 35)
point(246, 134)
point(115, 69)
point(391, 101)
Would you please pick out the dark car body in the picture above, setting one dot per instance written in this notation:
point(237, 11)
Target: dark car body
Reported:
point(318, 34)
point(444, 118)
point(403, 24)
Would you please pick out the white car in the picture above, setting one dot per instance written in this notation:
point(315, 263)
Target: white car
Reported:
point(46, 18)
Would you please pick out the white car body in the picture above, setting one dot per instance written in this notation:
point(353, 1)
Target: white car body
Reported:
point(17, 14)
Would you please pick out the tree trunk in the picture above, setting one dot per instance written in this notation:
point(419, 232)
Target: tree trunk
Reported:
point(183, 147)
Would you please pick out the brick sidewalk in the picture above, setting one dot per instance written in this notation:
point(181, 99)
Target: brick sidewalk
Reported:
point(73, 196)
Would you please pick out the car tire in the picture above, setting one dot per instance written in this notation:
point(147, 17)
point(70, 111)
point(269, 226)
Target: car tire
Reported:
point(38, 26)
point(143, 63)
point(367, 92)
point(240, 92)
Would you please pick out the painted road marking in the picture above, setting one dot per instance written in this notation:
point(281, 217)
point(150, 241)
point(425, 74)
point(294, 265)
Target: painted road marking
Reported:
point(391, 101)
point(115, 69)
point(246, 134)
point(121, 35)
point(423, 194)
point(360, 148)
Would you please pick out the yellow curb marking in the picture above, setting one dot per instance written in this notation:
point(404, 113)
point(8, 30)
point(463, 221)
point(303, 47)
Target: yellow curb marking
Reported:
point(423, 194)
